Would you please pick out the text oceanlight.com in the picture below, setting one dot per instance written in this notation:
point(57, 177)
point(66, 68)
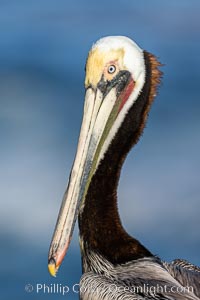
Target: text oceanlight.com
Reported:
point(58, 288)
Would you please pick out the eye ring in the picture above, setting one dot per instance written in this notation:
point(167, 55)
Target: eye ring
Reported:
point(111, 69)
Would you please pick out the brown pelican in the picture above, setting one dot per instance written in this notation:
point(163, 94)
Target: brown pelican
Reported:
point(121, 83)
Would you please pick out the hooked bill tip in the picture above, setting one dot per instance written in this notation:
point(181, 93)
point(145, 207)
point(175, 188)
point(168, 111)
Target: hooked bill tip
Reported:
point(52, 267)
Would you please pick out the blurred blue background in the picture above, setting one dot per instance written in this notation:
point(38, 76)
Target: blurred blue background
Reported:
point(43, 48)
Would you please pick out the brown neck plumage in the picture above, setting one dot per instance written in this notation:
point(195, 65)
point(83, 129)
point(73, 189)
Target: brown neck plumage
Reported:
point(100, 226)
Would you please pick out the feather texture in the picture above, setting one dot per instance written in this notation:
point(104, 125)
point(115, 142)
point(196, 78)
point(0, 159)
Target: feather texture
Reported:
point(146, 278)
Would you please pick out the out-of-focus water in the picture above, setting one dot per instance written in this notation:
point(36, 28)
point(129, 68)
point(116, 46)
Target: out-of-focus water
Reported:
point(43, 49)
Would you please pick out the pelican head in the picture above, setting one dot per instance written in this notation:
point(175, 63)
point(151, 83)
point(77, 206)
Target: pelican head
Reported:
point(115, 76)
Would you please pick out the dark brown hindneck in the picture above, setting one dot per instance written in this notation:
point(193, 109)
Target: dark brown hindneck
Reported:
point(100, 226)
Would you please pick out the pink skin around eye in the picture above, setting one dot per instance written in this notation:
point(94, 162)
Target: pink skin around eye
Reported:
point(112, 62)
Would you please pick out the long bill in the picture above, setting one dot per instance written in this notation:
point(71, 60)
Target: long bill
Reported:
point(100, 112)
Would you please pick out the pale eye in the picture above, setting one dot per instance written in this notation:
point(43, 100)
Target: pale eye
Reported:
point(111, 69)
